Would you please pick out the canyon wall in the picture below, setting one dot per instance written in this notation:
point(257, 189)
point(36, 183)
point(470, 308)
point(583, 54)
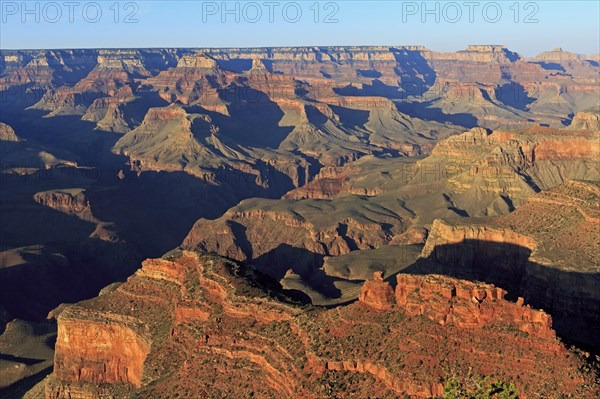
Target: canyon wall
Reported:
point(110, 351)
point(555, 269)
point(450, 301)
point(198, 325)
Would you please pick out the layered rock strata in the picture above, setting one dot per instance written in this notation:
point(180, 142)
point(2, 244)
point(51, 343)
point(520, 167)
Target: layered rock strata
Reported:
point(193, 325)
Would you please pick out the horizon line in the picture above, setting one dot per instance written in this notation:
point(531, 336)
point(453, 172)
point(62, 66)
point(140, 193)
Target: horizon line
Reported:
point(283, 47)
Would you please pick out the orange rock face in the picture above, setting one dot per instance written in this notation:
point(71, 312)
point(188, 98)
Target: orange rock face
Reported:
point(446, 300)
point(199, 326)
point(109, 351)
point(377, 293)
point(469, 305)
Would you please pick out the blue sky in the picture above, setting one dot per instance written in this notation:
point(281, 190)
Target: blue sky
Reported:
point(439, 25)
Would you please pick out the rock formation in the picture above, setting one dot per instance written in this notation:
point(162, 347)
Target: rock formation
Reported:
point(331, 182)
point(197, 325)
point(377, 293)
point(586, 121)
point(71, 202)
point(7, 133)
point(554, 268)
point(372, 203)
point(340, 161)
point(450, 301)
point(279, 235)
point(111, 351)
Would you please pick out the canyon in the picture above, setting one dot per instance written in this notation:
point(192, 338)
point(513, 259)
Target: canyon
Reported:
point(314, 222)
point(477, 176)
point(188, 317)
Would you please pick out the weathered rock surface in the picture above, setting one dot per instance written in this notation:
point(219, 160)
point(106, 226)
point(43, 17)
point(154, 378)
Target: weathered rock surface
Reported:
point(278, 235)
point(196, 325)
point(7, 133)
point(110, 350)
point(586, 121)
point(546, 251)
point(450, 301)
point(469, 305)
point(70, 202)
point(375, 202)
point(109, 112)
point(331, 182)
point(377, 293)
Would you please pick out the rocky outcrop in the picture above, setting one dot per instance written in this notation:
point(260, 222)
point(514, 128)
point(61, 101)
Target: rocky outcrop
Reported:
point(198, 61)
point(558, 55)
point(377, 293)
point(331, 182)
point(444, 234)
point(554, 269)
point(386, 378)
point(476, 171)
point(70, 202)
point(165, 141)
point(196, 78)
point(110, 350)
point(199, 325)
point(468, 304)
point(514, 163)
point(75, 202)
point(173, 139)
point(480, 54)
point(586, 121)
point(450, 301)
point(108, 112)
point(7, 133)
point(277, 236)
point(64, 101)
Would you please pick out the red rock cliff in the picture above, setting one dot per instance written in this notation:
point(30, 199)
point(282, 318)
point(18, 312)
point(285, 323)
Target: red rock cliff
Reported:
point(194, 326)
point(450, 301)
point(110, 350)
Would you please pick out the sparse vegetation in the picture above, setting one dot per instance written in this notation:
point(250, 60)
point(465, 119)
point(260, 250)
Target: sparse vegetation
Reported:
point(478, 387)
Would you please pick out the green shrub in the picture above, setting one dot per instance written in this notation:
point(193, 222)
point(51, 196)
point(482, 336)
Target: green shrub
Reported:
point(478, 388)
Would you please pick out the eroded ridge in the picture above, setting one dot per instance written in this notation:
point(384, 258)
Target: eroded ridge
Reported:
point(192, 325)
point(447, 300)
